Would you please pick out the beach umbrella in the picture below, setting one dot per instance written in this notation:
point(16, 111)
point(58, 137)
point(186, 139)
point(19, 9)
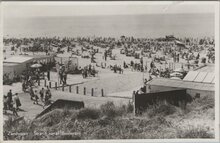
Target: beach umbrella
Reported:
point(176, 74)
point(36, 65)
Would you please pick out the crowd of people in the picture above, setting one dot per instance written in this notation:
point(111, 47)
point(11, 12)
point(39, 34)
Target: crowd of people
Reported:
point(11, 102)
point(167, 45)
point(89, 70)
point(117, 69)
point(44, 95)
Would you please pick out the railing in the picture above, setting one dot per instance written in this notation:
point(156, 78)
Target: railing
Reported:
point(74, 88)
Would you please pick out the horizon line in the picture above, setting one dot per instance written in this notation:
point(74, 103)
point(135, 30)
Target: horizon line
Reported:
point(141, 14)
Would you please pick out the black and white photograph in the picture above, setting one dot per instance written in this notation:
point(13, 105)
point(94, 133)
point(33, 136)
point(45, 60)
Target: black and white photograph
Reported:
point(110, 70)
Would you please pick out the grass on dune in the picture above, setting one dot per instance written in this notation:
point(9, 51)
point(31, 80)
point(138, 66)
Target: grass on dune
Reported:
point(112, 122)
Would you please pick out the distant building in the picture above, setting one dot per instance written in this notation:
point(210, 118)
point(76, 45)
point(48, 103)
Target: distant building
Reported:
point(17, 64)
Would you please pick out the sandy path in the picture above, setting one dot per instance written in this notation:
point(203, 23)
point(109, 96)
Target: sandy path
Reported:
point(30, 110)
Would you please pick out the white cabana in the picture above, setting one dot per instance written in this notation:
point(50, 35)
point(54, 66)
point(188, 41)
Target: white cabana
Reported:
point(16, 65)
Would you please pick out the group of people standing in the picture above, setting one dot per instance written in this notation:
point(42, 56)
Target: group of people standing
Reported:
point(117, 68)
point(11, 102)
point(30, 77)
point(89, 71)
point(45, 96)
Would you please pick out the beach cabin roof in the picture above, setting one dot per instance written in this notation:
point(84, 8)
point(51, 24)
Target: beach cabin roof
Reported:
point(203, 77)
point(182, 84)
point(18, 59)
point(10, 64)
point(207, 68)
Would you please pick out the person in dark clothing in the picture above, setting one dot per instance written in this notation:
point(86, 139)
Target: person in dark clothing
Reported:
point(5, 107)
point(46, 51)
point(115, 68)
point(48, 92)
point(64, 77)
point(17, 101)
point(23, 86)
point(31, 92)
point(85, 72)
point(42, 94)
point(124, 64)
point(48, 75)
point(61, 76)
point(132, 63)
point(152, 65)
point(177, 58)
point(9, 95)
point(198, 56)
point(141, 60)
point(105, 55)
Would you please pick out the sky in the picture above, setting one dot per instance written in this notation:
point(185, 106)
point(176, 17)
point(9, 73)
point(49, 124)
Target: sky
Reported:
point(44, 9)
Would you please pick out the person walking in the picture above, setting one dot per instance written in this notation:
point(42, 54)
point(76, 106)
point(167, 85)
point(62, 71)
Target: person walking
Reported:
point(23, 86)
point(48, 74)
point(64, 77)
point(48, 92)
point(36, 97)
point(31, 92)
point(13, 108)
point(42, 91)
point(46, 100)
point(16, 101)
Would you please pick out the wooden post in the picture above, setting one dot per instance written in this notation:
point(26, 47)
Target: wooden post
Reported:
point(56, 85)
point(84, 90)
point(45, 83)
point(92, 92)
point(70, 88)
point(63, 87)
point(102, 92)
point(77, 89)
point(133, 97)
point(50, 84)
